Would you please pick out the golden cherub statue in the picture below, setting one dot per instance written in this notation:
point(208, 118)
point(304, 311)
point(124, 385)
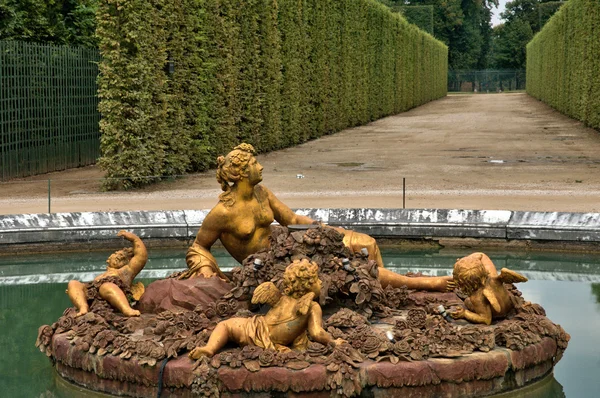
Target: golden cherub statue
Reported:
point(242, 218)
point(477, 277)
point(292, 315)
point(122, 267)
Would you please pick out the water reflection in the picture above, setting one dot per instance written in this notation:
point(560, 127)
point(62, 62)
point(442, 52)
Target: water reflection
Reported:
point(548, 387)
point(565, 285)
point(596, 291)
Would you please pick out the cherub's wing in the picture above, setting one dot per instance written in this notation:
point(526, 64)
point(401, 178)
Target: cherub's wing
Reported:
point(492, 299)
point(304, 303)
point(509, 276)
point(266, 293)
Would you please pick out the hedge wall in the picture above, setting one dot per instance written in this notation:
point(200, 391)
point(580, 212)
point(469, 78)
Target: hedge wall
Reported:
point(563, 61)
point(273, 73)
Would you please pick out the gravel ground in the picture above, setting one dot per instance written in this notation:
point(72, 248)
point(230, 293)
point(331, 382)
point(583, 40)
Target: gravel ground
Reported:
point(484, 151)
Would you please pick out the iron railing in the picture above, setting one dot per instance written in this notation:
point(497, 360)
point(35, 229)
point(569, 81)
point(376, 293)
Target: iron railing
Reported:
point(486, 81)
point(48, 108)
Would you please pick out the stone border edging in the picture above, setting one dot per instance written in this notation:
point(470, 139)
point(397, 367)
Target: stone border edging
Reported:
point(379, 223)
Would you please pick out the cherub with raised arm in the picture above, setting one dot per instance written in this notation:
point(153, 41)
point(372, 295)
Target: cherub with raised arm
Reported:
point(114, 284)
point(293, 314)
point(488, 299)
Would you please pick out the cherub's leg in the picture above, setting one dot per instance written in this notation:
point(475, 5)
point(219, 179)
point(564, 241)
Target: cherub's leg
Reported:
point(230, 329)
point(431, 283)
point(78, 295)
point(115, 296)
point(356, 241)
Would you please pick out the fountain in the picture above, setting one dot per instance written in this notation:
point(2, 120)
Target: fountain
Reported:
point(354, 328)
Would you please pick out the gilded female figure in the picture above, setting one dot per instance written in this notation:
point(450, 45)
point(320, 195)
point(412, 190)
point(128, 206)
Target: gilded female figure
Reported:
point(242, 219)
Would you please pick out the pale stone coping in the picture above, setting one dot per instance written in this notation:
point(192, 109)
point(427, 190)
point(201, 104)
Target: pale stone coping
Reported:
point(380, 223)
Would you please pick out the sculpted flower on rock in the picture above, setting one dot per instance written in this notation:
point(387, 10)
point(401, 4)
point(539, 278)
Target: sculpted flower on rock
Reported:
point(266, 357)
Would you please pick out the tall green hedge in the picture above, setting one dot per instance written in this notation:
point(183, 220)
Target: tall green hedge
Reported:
point(273, 73)
point(563, 61)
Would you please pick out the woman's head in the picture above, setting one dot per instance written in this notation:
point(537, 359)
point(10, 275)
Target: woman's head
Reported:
point(237, 164)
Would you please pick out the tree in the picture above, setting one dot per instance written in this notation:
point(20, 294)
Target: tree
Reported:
point(49, 21)
point(509, 41)
point(463, 25)
point(522, 20)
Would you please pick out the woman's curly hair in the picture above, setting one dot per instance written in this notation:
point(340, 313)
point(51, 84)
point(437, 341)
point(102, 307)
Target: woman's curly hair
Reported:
point(299, 276)
point(231, 168)
point(468, 274)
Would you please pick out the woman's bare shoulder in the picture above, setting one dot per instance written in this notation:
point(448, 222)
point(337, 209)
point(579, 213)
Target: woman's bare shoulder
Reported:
point(261, 189)
point(262, 192)
point(219, 213)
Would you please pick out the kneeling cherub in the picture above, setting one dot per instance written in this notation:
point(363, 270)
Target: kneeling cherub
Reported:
point(477, 277)
point(292, 315)
point(122, 268)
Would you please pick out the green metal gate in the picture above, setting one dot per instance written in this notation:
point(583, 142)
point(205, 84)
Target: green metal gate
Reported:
point(486, 81)
point(48, 108)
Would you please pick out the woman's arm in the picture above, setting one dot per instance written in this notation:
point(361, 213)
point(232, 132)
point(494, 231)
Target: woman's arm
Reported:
point(283, 214)
point(210, 230)
point(199, 258)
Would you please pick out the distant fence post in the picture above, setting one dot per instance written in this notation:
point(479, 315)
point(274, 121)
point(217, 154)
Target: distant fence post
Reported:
point(404, 192)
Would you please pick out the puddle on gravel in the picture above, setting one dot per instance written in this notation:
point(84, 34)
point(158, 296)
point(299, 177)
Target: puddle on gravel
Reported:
point(349, 164)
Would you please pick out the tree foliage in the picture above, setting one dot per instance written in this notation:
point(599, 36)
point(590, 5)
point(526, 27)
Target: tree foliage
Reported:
point(522, 20)
point(49, 21)
point(563, 61)
point(509, 41)
point(273, 73)
point(463, 25)
point(422, 16)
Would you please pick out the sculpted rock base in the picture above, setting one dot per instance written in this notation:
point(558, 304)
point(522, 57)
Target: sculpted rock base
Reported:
point(471, 375)
point(397, 342)
point(181, 295)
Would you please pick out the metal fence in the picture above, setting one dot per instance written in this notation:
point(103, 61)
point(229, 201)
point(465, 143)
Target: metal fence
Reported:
point(486, 81)
point(48, 108)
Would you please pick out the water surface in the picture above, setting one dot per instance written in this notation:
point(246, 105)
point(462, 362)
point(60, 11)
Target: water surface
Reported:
point(32, 293)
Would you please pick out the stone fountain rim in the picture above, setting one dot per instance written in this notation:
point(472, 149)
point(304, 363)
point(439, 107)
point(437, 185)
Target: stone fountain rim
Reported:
point(84, 230)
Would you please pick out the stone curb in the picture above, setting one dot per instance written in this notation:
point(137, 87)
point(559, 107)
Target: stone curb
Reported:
point(379, 223)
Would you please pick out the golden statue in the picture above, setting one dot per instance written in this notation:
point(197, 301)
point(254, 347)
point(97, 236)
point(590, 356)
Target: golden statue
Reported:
point(293, 314)
point(123, 266)
point(477, 277)
point(242, 219)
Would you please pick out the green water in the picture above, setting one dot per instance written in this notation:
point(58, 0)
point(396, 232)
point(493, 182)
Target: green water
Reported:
point(32, 293)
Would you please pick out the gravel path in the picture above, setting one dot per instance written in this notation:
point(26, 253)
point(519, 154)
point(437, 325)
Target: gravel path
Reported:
point(485, 151)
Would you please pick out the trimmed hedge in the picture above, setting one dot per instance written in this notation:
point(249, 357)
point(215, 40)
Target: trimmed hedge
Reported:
point(563, 61)
point(273, 73)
